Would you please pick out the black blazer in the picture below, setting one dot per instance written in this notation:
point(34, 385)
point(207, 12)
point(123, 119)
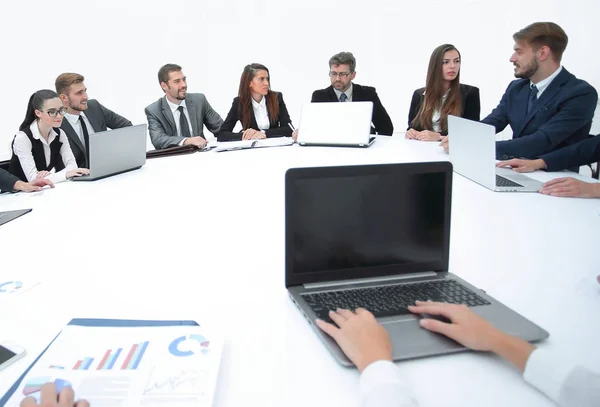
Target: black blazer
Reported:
point(277, 128)
point(572, 157)
point(561, 116)
point(7, 180)
point(381, 120)
point(471, 106)
point(101, 119)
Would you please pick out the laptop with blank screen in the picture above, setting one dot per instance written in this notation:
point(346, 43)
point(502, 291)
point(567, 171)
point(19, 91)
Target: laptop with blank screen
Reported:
point(378, 237)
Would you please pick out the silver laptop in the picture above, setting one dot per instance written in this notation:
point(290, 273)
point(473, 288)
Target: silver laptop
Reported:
point(116, 151)
point(473, 153)
point(336, 124)
point(7, 216)
point(378, 237)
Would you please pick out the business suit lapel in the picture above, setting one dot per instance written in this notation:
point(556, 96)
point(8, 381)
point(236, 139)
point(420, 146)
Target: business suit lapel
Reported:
point(193, 112)
point(550, 93)
point(168, 115)
point(357, 93)
point(521, 102)
point(331, 94)
point(93, 118)
point(74, 139)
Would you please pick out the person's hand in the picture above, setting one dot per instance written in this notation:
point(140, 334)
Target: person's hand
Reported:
point(259, 135)
point(42, 174)
point(359, 336)
point(428, 135)
point(48, 398)
point(249, 133)
point(467, 328)
point(520, 165)
point(197, 141)
point(444, 143)
point(77, 172)
point(571, 187)
point(411, 134)
point(295, 135)
point(32, 186)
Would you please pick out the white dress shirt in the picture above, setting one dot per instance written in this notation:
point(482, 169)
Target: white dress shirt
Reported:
point(348, 93)
point(565, 384)
point(543, 85)
point(22, 148)
point(261, 114)
point(76, 124)
point(176, 114)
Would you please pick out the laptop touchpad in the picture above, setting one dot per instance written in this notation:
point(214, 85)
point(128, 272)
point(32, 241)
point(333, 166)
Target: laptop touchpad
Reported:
point(409, 337)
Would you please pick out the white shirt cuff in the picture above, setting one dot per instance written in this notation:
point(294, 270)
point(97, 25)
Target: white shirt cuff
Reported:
point(545, 372)
point(381, 386)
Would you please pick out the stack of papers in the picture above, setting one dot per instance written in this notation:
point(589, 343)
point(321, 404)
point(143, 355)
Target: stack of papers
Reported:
point(246, 144)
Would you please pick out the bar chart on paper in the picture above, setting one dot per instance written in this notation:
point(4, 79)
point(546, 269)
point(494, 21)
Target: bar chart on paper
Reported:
point(130, 359)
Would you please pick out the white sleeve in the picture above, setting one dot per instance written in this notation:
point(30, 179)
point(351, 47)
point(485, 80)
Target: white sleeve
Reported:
point(381, 386)
point(68, 160)
point(22, 148)
point(566, 384)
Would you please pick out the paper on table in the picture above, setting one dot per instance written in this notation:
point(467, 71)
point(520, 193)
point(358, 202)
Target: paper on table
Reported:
point(127, 366)
point(13, 288)
point(245, 144)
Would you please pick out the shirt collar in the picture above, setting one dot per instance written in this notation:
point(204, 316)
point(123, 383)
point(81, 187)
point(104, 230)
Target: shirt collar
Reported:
point(256, 104)
point(74, 118)
point(348, 92)
point(543, 85)
point(173, 106)
point(35, 132)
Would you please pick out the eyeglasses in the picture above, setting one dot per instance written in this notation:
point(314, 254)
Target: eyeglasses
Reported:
point(340, 74)
point(53, 112)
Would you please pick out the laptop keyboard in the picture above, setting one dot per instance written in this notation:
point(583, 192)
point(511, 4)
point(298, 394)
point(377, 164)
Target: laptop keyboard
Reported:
point(391, 300)
point(505, 182)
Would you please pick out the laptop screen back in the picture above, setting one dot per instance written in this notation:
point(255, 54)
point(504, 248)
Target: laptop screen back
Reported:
point(366, 221)
point(335, 123)
point(117, 150)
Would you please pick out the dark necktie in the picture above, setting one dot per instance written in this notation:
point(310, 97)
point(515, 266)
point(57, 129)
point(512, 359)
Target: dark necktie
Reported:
point(343, 97)
point(86, 139)
point(183, 123)
point(533, 91)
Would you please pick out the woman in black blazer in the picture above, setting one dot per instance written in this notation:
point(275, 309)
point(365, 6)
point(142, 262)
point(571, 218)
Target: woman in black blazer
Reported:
point(260, 110)
point(443, 95)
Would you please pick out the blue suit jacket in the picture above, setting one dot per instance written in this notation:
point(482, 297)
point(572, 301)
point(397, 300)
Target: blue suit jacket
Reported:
point(562, 116)
point(583, 153)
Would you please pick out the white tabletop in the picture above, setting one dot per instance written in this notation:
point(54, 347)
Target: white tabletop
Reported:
point(202, 237)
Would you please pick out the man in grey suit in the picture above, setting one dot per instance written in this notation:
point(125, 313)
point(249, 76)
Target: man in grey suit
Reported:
point(8, 182)
point(179, 117)
point(84, 116)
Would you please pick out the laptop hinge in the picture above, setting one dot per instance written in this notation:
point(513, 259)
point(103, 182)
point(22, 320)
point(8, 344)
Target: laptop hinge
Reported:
point(384, 279)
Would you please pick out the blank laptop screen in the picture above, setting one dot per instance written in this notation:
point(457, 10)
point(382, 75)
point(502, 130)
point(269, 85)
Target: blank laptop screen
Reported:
point(372, 223)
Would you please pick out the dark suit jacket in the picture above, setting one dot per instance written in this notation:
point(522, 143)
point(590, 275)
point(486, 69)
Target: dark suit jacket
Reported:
point(471, 106)
point(582, 153)
point(101, 119)
point(381, 120)
point(7, 181)
point(562, 116)
point(277, 128)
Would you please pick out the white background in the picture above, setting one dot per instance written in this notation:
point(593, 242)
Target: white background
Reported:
point(119, 45)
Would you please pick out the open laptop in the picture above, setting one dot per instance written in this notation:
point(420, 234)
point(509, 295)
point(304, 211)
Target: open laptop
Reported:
point(473, 153)
point(378, 237)
point(336, 124)
point(7, 216)
point(116, 151)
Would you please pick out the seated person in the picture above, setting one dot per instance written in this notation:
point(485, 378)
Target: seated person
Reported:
point(9, 182)
point(547, 108)
point(367, 344)
point(260, 110)
point(41, 148)
point(443, 95)
point(341, 74)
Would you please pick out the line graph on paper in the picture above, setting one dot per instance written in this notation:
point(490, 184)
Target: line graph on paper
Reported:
point(175, 382)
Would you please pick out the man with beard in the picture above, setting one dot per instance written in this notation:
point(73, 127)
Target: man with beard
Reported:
point(547, 108)
point(179, 117)
point(341, 73)
point(84, 116)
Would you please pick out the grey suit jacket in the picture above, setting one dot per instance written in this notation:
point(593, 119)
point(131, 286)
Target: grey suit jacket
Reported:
point(7, 180)
point(161, 124)
point(101, 119)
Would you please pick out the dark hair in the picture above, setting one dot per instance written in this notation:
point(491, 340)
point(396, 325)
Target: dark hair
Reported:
point(65, 80)
point(165, 70)
point(548, 34)
point(245, 96)
point(434, 92)
point(343, 58)
point(36, 102)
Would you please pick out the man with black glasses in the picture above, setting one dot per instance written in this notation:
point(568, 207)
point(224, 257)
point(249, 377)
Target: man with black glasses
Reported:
point(341, 73)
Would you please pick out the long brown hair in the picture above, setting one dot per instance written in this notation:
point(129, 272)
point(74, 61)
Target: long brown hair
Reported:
point(434, 91)
point(245, 96)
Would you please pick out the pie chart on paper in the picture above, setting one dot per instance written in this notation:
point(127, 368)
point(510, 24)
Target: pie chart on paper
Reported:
point(182, 345)
point(10, 287)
